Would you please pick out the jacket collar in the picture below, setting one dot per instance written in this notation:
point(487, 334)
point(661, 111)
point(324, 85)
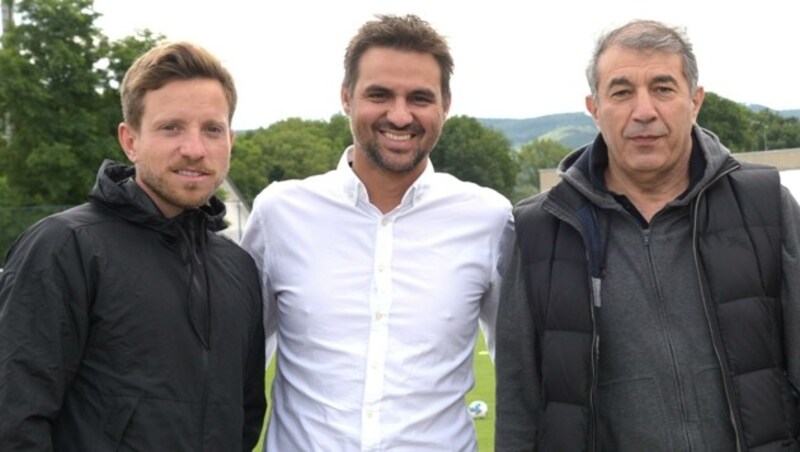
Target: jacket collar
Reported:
point(116, 190)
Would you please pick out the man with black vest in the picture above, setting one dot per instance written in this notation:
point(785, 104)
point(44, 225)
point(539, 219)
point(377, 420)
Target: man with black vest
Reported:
point(652, 299)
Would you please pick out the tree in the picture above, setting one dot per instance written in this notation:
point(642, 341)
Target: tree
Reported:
point(48, 84)
point(290, 149)
point(532, 157)
point(742, 129)
point(774, 131)
point(474, 153)
point(58, 89)
point(729, 121)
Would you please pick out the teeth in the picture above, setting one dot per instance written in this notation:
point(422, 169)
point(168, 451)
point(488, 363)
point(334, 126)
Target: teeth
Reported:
point(398, 136)
point(189, 173)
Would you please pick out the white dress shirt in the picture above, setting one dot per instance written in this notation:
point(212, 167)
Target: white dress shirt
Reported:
point(375, 316)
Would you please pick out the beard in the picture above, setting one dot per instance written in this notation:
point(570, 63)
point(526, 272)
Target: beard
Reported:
point(185, 196)
point(401, 166)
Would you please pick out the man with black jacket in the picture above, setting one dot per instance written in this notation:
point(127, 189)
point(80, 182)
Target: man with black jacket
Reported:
point(652, 301)
point(127, 323)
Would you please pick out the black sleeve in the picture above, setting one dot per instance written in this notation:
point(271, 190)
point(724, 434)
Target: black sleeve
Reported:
point(255, 403)
point(43, 326)
point(517, 381)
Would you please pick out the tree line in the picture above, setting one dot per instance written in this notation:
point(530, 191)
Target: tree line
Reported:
point(59, 110)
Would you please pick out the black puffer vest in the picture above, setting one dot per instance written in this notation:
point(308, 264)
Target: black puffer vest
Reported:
point(737, 249)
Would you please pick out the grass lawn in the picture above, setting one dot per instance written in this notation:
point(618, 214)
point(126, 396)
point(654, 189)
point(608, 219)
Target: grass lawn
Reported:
point(483, 390)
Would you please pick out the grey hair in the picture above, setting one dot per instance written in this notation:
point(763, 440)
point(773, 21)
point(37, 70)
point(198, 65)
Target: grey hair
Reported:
point(646, 35)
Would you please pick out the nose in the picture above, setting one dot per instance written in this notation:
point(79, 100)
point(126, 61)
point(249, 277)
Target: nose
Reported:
point(194, 146)
point(644, 110)
point(399, 114)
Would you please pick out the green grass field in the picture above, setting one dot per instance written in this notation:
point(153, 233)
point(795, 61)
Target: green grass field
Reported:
point(483, 390)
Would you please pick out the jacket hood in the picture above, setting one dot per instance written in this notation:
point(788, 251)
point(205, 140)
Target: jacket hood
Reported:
point(577, 167)
point(116, 190)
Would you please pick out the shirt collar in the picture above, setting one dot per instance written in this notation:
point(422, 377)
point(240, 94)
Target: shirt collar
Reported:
point(354, 190)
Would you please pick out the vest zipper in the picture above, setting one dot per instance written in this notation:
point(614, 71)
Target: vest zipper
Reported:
point(726, 383)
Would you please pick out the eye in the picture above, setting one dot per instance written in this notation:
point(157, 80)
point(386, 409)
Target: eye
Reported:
point(215, 129)
point(620, 93)
point(170, 128)
point(422, 99)
point(377, 95)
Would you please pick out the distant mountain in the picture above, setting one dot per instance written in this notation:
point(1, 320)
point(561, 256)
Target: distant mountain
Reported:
point(784, 113)
point(570, 129)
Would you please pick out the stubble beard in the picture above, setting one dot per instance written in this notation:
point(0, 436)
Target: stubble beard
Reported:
point(380, 160)
point(188, 196)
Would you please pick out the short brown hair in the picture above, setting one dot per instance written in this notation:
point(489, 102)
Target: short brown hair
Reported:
point(166, 63)
point(403, 33)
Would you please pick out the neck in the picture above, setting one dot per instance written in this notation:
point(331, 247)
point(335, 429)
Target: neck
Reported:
point(385, 188)
point(648, 194)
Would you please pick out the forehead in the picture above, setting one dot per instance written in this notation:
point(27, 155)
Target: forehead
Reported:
point(389, 67)
point(191, 97)
point(619, 62)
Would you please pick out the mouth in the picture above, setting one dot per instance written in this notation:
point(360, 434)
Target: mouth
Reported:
point(644, 138)
point(191, 173)
point(398, 136)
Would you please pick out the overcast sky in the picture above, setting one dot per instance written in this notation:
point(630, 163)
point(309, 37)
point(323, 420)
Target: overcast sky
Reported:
point(513, 59)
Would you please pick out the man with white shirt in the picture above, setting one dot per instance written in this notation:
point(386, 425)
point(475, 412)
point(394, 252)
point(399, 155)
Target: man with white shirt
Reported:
point(377, 274)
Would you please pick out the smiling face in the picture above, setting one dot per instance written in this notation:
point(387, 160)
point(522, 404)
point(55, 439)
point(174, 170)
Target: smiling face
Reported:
point(645, 112)
point(183, 145)
point(396, 111)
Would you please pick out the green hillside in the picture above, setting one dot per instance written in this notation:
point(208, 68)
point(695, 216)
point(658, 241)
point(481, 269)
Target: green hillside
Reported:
point(569, 129)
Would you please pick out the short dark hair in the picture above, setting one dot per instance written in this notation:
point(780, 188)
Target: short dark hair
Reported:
point(169, 62)
point(646, 35)
point(403, 33)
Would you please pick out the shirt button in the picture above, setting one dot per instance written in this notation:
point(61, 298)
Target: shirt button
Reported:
point(385, 221)
point(378, 316)
point(381, 268)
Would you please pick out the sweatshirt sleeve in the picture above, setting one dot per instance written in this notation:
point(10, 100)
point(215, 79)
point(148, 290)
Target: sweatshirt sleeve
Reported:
point(43, 327)
point(518, 386)
point(790, 290)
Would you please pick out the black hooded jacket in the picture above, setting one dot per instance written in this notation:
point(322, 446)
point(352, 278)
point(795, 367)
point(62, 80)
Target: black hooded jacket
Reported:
point(121, 329)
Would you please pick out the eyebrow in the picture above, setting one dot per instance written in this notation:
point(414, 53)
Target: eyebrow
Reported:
point(664, 79)
point(416, 92)
point(623, 81)
point(619, 81)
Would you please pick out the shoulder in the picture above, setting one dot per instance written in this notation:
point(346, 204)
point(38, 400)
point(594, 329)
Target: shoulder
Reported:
point(756, 180)
point(295, 190)
point(57, 236)
point(458, 191)
point(59, 226)
point(530, 208)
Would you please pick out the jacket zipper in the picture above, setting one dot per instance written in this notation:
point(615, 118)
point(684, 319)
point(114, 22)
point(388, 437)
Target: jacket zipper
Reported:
point(671, 348)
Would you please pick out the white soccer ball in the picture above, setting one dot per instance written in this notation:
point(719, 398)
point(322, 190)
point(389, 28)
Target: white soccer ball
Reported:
point(478, 409)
